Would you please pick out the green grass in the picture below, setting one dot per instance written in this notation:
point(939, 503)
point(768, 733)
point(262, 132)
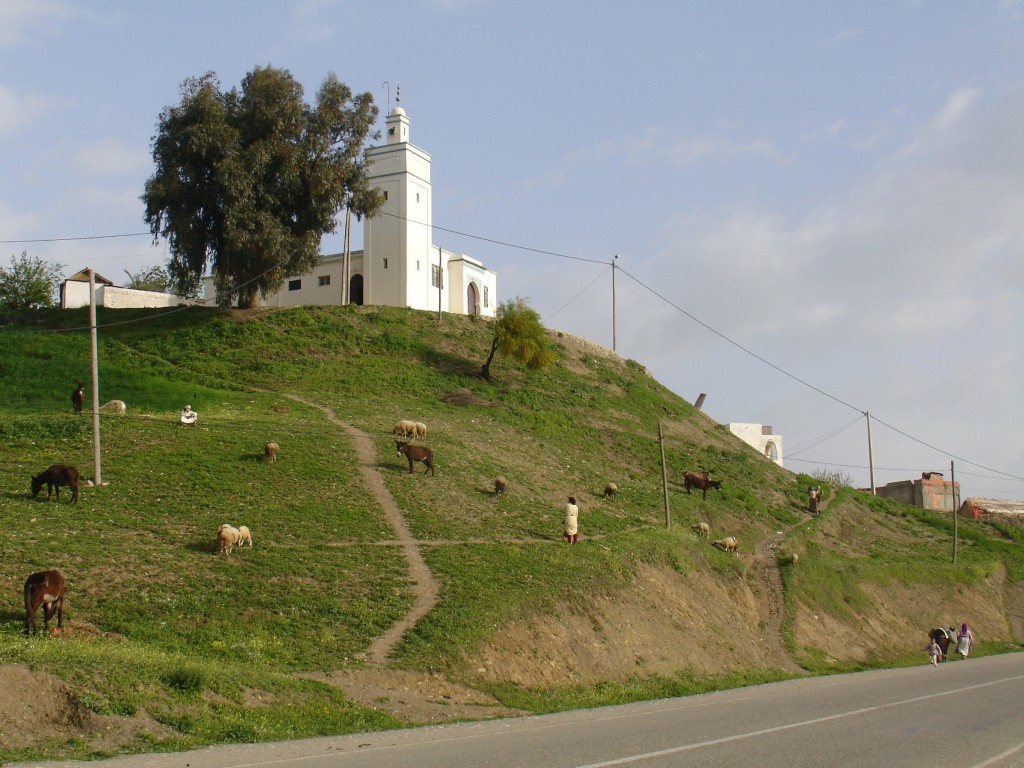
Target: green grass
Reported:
point(174, 629)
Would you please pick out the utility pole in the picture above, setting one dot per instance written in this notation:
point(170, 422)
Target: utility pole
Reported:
point(952, 479)
point(98, 479)
point(614, 260)
point(871, 455)
point(440, 281)
point(664, 476)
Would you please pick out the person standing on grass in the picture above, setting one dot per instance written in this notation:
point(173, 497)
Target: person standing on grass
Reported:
point(571, 528)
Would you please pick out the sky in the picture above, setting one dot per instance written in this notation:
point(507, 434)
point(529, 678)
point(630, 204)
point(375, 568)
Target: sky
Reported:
point(815, 210)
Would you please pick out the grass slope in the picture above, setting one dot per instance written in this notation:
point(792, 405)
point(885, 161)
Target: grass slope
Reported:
point(166, 628)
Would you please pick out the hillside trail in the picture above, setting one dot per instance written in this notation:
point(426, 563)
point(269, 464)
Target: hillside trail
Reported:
point(424, 585)
point(766, 569)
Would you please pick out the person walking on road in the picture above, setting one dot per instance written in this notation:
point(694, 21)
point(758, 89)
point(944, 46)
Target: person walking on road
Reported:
point(964, 640)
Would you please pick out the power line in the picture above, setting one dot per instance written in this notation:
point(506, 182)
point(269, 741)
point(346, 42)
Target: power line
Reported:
point(72, 239)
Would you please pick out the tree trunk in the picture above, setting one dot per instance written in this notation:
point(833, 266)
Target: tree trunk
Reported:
point(485, 371)
point(249, 298)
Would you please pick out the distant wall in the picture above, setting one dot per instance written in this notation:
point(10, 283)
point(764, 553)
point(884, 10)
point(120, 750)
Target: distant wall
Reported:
point(930, 492)
point(76, 294)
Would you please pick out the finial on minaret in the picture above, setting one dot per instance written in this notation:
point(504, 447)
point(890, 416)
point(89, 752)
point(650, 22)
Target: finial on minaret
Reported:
point(398, 94)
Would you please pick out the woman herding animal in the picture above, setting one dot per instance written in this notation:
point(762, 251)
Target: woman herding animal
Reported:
point(46, 589)
point(964, 640)
point(570, 530)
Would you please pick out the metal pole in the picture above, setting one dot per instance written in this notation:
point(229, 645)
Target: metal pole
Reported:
point(952, 479)
point(664, 476)
point(614, 258)
point(98, 479)
point(871, 455)
point(440, 281)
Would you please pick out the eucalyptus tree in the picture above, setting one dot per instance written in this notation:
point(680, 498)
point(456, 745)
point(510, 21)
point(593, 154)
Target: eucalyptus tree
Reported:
point(248, 181)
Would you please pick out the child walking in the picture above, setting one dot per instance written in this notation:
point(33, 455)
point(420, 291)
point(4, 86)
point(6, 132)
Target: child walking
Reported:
point(934, 652)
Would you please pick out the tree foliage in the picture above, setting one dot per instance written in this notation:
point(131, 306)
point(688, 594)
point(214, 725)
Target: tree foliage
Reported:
point(151, 279)
point(519, 333)
point(249, 180)
point(30, 283)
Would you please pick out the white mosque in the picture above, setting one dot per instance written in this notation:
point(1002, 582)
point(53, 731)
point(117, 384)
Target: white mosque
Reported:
point(399, 265)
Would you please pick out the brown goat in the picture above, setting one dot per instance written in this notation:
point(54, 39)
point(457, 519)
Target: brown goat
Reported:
point(610, 489)
point(46, 589)
point(500, 485)
point(78, 398)
point(417, 453)
point(55, 477)
point(701, 482)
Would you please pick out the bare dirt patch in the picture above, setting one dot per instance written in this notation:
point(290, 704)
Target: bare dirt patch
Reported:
point(415, 697)
point(36, 707)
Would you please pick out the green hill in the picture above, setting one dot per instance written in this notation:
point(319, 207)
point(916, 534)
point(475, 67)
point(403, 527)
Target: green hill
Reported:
point(168, 644)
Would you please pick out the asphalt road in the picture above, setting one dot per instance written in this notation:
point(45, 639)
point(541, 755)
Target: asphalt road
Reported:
point(963, 714)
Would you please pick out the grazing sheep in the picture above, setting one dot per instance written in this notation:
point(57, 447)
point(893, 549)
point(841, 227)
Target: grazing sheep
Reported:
point(417, 453)
point(728, 544)
point(244, 536)
point(55, 477)
point(610, 489)
point(78, 398)
point(421, 429)
point(271, 450)
point(794, 559)
point(115, 406)
point(46, 589)
point(500, 485)
point(701, 481)
point(405, 428)
point(227, 537)
point(703, 530)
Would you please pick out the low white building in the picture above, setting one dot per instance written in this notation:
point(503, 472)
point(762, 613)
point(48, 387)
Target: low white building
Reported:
point(399, 265)
point(760, 437)
point(74, 292)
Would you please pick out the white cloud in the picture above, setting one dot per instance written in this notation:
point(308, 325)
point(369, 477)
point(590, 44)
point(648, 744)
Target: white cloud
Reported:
point(19, 110)
point(19, 19)
point(110, 157)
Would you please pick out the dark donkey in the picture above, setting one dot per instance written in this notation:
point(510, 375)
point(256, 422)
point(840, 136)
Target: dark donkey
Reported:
point(700, 481)
point(417, 453)
point(55, 477)
point(78, 398)
point(46, 589)
point(944, 637)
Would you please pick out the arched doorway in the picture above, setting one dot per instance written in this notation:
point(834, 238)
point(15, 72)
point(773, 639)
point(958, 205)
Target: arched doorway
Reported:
point(472, 300)
point(355, 290)
point(771, 451)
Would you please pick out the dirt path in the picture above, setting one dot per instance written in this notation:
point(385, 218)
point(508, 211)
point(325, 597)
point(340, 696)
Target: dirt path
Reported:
point(424, 586)
point(766, 568)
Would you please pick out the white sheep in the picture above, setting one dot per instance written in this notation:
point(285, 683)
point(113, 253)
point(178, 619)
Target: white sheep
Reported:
point(421, 429)
point(728, 544)
point(227, 537)
point(244, 536)
point(405, 428)
point(115, 406)
point(703, 530)
point(610, 489)
point(271, 450)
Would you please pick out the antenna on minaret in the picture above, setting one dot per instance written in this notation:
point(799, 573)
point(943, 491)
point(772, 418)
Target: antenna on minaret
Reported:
point(387, 87)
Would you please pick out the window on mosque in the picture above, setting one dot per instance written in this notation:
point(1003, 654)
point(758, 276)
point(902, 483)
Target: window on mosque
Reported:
point(294, 285)
point(324, 280)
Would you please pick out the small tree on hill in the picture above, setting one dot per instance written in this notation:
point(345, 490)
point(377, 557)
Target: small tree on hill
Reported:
point(518, 332)
point(249, 180)
point(151, 279)
point(30, 283)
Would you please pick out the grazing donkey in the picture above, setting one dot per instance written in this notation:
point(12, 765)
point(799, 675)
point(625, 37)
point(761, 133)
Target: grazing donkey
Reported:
point(46, 589)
